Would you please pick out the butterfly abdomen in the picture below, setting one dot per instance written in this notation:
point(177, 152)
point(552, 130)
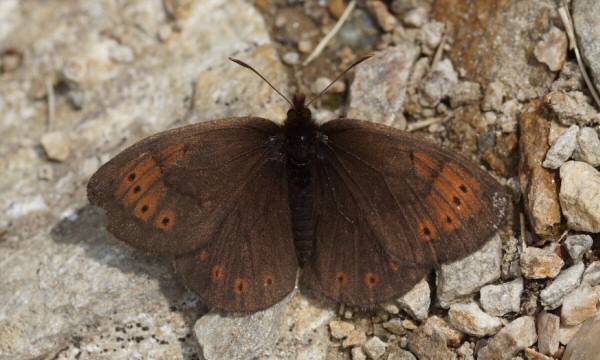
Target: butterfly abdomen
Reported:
point(300, 133)
point(301, 185)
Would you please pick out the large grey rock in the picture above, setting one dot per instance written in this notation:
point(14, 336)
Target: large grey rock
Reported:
point(588, 146)
point(562, 149)
point(429, 343)
point(296, 328)
point(580, 196)
point(584, 344)
point(579, 305)
point(586, 18)
point(548, 333)
point(591, 275)
point(514, 337)
point(389, 73)
point(470, 319)
point(578, 245)
point(501, 299)
point(69, 289)
point(416, 302)
point(539, 263)
point(552, 296)
point(467, 276)
point(572, 108)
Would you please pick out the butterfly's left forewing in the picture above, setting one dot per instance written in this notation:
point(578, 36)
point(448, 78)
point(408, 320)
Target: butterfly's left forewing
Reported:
point(168, 193)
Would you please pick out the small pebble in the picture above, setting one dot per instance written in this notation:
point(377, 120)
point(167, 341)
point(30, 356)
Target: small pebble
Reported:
point(122, 54)
point(572, 108)
point(305, 46)
point(539, 263)
point(340, 329)
point(591, 275)
point(291, 58)
point(552, 296)
point(395, 326)
point(552, 50)
point(548, 326)
point(374, 348)
point(164, 32)
point(514, 337)
point(579, 305)
point(471, 320)
point(57, 145)
point(578, 245)
point(562, 149)
point(381, 13)
point(501, 299)
point(415, 17)
point(356, 337)
point(74, 70)
point(358, 354)
point(431, 34)
point(416, 302)
point(400, 354)
point(588, 147)
point(465, 92)
point(494, 95)
point(580, 196)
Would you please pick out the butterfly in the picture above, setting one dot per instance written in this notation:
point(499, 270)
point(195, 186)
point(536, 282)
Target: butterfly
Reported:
point(240, 204)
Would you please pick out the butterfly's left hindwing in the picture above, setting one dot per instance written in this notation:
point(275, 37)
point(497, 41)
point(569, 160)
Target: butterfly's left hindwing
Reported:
point(251, 263)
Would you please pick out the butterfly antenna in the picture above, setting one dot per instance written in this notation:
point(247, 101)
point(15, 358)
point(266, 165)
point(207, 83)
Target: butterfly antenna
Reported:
point(342, 74)
point(241, 63)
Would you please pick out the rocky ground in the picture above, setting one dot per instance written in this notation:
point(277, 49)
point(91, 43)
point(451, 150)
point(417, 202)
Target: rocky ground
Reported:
point(499, 82)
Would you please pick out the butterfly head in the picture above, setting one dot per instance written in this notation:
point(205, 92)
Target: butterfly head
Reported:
point(299, 113)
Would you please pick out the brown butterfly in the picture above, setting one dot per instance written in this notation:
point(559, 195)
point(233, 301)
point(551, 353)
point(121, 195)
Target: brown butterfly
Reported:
point(240, 203)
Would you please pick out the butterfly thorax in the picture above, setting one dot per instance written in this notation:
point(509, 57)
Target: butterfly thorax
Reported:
point(301, 134)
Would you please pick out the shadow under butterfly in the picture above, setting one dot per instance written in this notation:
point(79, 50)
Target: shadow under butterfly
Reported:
point(239, 204)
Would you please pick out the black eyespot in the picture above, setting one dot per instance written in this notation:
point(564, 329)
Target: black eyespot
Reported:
point(137, 189)
point(166, 221)
point(463, 188)
point(456, 200)
point(131, 177)
point(448, 219)
point(426, 231)
point(144, 208)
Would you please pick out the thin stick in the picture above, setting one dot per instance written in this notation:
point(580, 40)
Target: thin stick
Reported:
point(51, 105)
point(323, 43)
point(241, 63)
point(190, 110)
point(439, 51)
point(565, 16)
point(342, 74)
point(424, 123)
point(523, 231)
point(562, 236)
